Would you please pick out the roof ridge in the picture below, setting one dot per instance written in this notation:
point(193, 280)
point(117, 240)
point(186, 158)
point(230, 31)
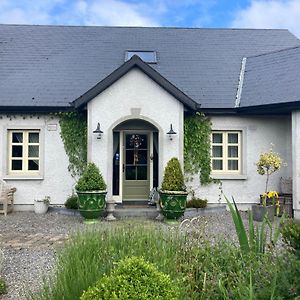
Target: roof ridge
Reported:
point(147, 27)
point(275, 51)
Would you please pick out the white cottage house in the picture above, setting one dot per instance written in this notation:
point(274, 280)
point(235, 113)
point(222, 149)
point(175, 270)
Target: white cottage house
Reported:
point(137, 83)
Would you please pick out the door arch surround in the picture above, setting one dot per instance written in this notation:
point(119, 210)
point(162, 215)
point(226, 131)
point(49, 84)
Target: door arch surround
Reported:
point(131, 180)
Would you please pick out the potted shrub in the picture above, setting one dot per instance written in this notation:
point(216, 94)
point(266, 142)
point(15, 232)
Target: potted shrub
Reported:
point(91, 191)
point(173, 191)
point(269, 162)
point(41, 205)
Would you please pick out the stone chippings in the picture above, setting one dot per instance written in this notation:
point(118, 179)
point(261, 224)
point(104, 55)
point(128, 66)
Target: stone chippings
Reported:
point(30, 241)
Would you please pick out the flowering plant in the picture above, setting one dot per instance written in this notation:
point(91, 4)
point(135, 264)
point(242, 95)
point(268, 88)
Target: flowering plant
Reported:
point(269, 162)
point(274, 196)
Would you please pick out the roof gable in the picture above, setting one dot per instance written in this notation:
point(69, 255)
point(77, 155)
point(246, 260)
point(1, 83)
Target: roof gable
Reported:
point(136, 62)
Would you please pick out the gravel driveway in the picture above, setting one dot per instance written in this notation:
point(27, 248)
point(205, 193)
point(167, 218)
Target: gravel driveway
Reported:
point(29, 242)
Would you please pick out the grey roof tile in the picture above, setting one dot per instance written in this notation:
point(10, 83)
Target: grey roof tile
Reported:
point(54, 65)
point(272, 78)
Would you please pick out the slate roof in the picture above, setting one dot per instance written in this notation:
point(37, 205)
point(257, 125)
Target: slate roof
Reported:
point(136, 62)
point(272, 78)
point(51, 66)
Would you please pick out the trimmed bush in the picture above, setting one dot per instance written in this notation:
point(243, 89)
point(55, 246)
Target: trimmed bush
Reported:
point(72, 202)
point(134, 279)
point(196, 203)
point(173, 177)
point(2, 286)
point(91, 179)
point(291, 236)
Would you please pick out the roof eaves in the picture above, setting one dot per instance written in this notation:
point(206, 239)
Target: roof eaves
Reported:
point(135, 61)
point(270, 108)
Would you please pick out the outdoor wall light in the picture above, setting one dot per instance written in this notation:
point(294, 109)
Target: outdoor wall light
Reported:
point(171, 132)
point(98, 131)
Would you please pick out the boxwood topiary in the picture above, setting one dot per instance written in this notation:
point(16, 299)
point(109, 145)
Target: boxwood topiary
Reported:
point(91, 180)
point(134, 279)
point(173, 178)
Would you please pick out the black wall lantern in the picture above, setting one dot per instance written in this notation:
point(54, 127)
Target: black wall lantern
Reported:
point(171, 132)
point(98, 131)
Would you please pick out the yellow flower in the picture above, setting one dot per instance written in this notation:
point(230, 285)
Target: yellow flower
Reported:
point(272, 194)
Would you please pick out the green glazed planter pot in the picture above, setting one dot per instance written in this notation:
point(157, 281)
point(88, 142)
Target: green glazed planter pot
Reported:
point(173, 204)
point(91, 205)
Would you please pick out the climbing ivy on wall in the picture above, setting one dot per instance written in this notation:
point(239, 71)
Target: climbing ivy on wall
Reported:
point(197, 144)
point(74, 136)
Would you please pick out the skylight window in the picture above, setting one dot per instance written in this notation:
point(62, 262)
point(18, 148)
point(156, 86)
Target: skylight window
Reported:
point(146, 56)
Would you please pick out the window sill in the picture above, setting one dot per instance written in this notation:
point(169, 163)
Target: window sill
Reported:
point(12, 177)
point(229, 176)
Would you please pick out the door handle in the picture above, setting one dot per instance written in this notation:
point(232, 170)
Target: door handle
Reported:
point(123, 168)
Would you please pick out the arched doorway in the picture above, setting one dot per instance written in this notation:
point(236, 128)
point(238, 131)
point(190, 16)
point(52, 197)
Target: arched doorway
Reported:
point(135, 160)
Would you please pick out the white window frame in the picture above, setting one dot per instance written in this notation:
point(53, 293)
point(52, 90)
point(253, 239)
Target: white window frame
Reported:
point(25, 157)
point(225, 157)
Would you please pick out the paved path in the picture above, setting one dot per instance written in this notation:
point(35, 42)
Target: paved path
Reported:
point(37, 240)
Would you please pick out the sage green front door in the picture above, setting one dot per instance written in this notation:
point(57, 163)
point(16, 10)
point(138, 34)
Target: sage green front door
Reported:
point(136, 181)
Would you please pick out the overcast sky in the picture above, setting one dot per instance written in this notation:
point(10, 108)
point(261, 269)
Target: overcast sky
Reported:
point(179, 13)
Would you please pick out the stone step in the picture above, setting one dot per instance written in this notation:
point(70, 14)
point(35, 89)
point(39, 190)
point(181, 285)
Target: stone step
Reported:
point(135, 212)
point(145, 211)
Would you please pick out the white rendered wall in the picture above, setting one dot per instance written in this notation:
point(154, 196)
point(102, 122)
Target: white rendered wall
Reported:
point(258, 133)
point(296, 162)
point(55, 180)
point(134, 96)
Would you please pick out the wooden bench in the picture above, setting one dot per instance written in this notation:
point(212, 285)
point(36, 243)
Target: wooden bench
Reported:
point(6, 197)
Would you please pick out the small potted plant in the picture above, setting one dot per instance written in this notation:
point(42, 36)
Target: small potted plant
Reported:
point(269, 162)
point(173, 191)
point(91, 191)
point(41, 205)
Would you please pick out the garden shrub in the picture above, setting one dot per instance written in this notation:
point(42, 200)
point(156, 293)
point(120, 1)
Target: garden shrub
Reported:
point(173, 177)
point(2, 286)
point(196, 203)
point(134, 279)
point(91, 179)
point(199, 270)
point(291, 236)
point(72, 202)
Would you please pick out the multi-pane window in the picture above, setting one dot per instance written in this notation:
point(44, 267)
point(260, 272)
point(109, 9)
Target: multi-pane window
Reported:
point(24, 151)
point(226, 152)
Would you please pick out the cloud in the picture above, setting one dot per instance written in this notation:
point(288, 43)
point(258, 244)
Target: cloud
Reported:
point(270, 14)
point(79, 12)
point(114, 12)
